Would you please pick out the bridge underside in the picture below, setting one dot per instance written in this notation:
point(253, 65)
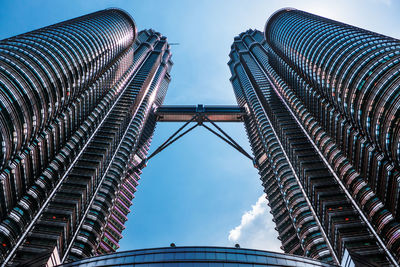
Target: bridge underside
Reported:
point(201, 115)
point(183, 113)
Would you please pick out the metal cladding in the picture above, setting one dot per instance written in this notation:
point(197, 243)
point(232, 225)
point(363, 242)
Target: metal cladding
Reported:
point(76, 112)
point(323, 99)
point(297, 227)
point(78, 107)
point(45, 71)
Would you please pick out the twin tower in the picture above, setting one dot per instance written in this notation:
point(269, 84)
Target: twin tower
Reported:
point(79, 101)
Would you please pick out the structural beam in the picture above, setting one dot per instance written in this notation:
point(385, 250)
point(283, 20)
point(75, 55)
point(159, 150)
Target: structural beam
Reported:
point(183, 113)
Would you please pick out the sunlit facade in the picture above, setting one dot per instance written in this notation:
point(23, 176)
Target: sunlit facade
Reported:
point(320, 101)
point(76, 104)
point(323, 104)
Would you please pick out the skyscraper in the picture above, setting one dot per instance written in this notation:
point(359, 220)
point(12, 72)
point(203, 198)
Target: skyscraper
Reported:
point(75, 114)
point(323, 122)
point(319, 100)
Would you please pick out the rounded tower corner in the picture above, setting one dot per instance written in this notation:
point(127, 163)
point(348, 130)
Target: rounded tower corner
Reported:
point(128, 16)
point(275, 14)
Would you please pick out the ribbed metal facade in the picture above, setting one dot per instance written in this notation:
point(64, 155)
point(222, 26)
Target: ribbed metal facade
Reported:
point(76, 112)
point(323, 100)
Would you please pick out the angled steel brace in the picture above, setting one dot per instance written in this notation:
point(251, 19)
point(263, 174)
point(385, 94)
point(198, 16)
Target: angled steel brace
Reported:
point(171, 142)
point(163, 145)
point(228, 142)
point(237, 146)
point(200, 119)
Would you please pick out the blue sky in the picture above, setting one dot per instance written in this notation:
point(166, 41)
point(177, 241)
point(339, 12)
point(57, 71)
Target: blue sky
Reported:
point(199, 191)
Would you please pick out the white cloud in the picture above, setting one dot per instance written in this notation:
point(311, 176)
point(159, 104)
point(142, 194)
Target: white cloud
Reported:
point(256, 229)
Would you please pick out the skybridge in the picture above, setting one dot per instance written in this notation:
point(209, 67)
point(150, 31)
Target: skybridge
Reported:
point(184, 113)
point(199, 115)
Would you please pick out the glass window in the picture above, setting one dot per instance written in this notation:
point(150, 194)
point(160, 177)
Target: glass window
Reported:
point(291, 263)
point(261, 259)
point(231, 257)
point(241, 257)
point(245, 265)
point(210, 255)
point(190, 255)
point(221, 256)
point(168, 256)
point(158, 256)
point(139, 258)
point(272, 260)
point(282, 261)
point(179, 256)
point(113, 261)
point(200, 255)
point(130, 259)
point(251, 258)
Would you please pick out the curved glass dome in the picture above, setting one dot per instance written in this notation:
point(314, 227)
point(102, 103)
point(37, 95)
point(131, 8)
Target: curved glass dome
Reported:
point(197, 256)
